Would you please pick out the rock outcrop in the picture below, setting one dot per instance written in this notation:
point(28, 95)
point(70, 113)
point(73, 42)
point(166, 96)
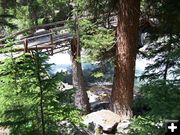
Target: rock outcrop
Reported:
point(102, 121)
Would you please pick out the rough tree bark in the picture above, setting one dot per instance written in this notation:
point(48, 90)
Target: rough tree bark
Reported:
point(126, 48)
point(81, 98)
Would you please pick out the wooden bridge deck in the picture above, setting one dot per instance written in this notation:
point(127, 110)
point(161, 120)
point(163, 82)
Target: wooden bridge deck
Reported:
point(52, 41)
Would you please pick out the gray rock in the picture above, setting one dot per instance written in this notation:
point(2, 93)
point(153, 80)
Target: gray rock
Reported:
point(92, 97)
point(96, 106)
point(122, 127)
point(105, 119)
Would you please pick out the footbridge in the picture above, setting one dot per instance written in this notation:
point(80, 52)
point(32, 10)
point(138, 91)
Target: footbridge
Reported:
point(50, 38)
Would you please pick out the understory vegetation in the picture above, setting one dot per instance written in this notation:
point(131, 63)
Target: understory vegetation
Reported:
point(31, 98)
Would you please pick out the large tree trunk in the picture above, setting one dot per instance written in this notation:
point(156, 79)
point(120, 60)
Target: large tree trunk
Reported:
point(126, 48)
point(81, 98)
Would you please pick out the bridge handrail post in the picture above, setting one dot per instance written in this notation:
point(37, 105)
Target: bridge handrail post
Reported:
point(51, 40)
point(25, 45)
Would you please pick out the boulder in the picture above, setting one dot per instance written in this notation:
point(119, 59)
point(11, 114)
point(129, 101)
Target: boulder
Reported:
point(104, 120)
point(122, 127)
point(92, 97)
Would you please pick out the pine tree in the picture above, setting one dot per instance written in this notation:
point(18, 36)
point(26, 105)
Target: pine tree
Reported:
point(162, 45)
point(160, 90)
point(30, 99)
point(126, 49)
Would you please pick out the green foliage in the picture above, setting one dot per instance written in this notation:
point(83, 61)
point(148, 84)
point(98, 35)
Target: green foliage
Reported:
point(162, 98)
point(162, 38)
point(101, 10)
point(164, 53)
point(146, 126)
point(20, 86)
point(35, 12)
point(4, 20)
point(160, 91)
point(96, 40)
point(98, 74)
point(6, 17)
point(162, 48)
point(20, 96)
